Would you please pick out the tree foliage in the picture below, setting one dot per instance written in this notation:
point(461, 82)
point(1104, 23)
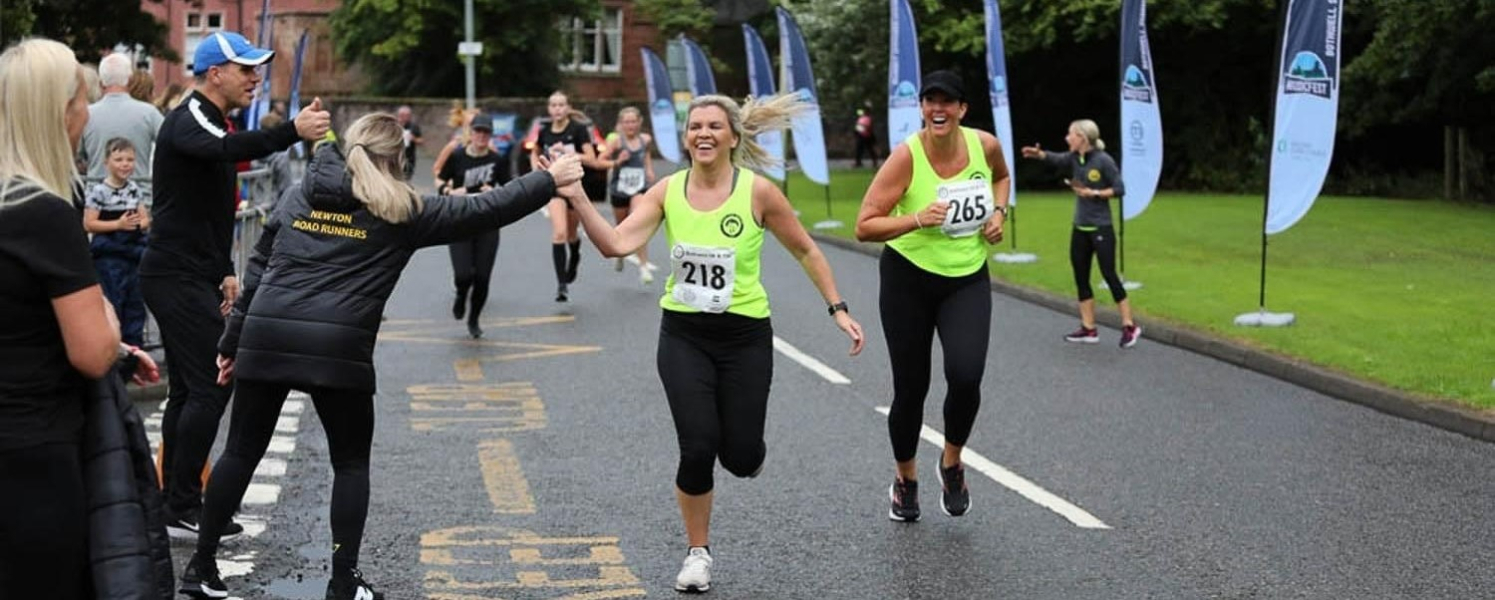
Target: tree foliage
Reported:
point(677, 17)
point(1425, 61)
point(409, 47)
point(90, 27)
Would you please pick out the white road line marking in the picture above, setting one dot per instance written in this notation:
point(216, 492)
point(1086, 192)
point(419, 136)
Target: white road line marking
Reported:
point(1015, 482)
point(292, 407)
point(235, 568)
point(270, 467)
point(261, 494)
point(287, 424)
point(253, 527)
point(809, 362)
point(281, 444)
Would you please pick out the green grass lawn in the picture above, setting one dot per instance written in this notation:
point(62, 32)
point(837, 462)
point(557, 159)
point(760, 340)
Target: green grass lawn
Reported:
point(1395, 291)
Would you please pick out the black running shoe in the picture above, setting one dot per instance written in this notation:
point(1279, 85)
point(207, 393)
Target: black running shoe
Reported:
point(200, 579)
point(459, 306)
point(185, 528)
point(351, 587)
point(955, 497)
point(904, 496)
point(560, 293)
point(473, 330)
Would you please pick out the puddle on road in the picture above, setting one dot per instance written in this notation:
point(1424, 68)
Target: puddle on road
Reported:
point(315, 552)
point(299, 588)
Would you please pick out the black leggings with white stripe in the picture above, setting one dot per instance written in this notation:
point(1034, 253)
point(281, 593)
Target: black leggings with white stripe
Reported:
point(914, 304)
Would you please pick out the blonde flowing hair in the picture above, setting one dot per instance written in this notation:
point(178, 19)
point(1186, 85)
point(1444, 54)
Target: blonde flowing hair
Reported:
point(376, 144)
point(757, 115)
point(38, 79)
point(1091, 131)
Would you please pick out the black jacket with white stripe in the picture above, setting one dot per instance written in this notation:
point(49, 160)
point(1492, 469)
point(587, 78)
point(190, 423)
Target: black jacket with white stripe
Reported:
point(315, 287)
point(194, 177)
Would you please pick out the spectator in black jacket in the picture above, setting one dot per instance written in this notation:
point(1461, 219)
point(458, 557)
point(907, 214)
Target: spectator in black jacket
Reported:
point(314, 292)
point(187, 274)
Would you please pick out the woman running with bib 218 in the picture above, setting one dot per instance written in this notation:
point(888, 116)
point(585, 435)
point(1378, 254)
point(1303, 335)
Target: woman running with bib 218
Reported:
point(937, 201)
point(715, 354)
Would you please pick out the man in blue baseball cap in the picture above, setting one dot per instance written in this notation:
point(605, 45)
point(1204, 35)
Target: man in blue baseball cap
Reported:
point(187, 274)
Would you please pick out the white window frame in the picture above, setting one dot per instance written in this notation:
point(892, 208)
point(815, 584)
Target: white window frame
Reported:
point(599, 34)
point(192, 36)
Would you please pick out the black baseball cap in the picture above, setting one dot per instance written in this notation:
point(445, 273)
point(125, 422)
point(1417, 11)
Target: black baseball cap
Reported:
point(483, 122)
point(944, 81)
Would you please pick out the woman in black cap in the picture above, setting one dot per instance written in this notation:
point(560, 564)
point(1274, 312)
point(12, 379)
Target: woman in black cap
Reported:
point(937, 202)
point(474, 169)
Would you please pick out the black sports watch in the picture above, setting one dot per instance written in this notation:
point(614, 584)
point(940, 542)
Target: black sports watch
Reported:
point(831, 310)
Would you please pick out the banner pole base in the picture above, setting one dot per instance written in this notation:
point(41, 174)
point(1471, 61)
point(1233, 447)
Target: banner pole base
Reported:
point(1015, 258)
point(1262, 318)
point(1125, 283)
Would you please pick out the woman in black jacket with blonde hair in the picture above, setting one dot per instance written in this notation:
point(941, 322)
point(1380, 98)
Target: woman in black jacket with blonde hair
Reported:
point(309, 314)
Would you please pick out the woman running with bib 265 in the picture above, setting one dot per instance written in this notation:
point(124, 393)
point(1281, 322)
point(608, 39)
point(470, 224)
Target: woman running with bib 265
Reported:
point(937, 201)
point(1095, 180)
point(715, 354)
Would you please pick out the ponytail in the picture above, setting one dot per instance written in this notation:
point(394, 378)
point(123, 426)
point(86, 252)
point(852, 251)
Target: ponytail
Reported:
point(1091, 131)
point(375, 145)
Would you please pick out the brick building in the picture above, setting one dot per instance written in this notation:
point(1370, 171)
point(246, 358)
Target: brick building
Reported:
point(599, 58)
point(189, 21)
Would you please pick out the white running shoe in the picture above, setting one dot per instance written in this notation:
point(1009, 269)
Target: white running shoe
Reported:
point(695, 573)
point(645, 275)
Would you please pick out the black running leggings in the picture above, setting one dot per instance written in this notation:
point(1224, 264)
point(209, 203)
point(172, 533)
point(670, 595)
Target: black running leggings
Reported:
point(1101, 244)
point(347, 417)
point(915, 303)
point(472, 267)
point(43, 523)
point(716, 371)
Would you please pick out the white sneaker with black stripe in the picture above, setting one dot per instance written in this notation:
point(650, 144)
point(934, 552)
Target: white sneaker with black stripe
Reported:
point(695, 572)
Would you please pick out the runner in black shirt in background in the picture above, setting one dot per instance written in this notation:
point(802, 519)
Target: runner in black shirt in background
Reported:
point(475, 169)
point(412, 139)
point(566, 136)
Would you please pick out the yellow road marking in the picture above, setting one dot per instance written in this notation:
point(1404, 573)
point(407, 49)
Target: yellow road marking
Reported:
point(472, 563)
point(507, 488)
point(468, 369)
point(496, 407)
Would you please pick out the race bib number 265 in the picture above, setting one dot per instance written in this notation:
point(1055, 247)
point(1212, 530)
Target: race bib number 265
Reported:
point(971, 206)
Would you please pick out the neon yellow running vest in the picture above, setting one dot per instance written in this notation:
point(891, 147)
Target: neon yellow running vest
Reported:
point(729, 226)
point(929, 248)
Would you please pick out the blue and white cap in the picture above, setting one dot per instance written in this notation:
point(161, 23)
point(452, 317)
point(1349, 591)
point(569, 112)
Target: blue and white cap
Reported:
point(227, 46)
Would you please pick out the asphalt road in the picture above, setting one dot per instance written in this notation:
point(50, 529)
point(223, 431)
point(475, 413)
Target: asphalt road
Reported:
point(538, 462)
